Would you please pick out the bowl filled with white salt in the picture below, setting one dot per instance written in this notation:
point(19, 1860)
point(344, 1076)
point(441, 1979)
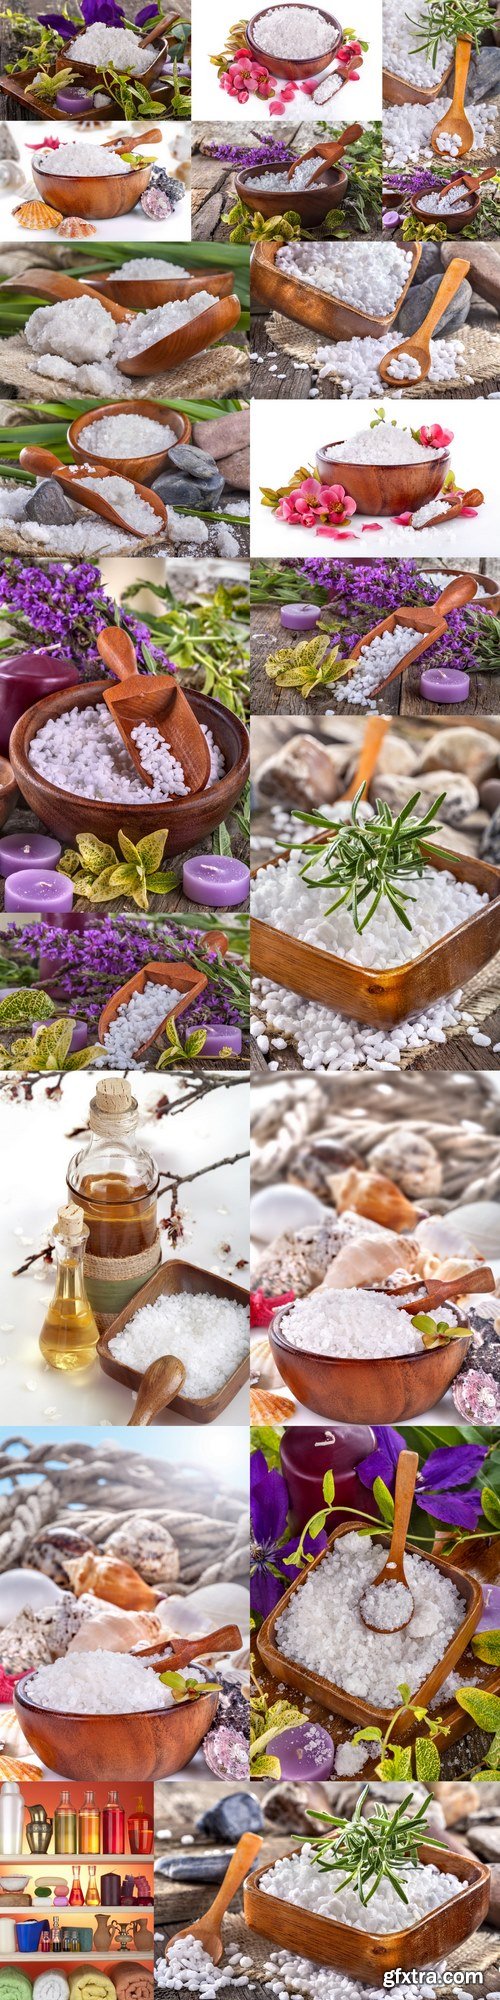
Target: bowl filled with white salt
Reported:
point(412, 72)
point(344, 290)
point(99, 47)
point(94, 182)
point(293, 40)
point(153, 281)
point(202, 1320)
point(358, 1357)
point(133, 437)
point(385, 469)
point(268, 191)
point(109, 1716)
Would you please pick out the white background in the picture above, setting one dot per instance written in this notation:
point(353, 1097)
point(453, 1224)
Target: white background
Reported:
point(211, 25)
point(136, 227)
point(287, 435)
point(35, 1150)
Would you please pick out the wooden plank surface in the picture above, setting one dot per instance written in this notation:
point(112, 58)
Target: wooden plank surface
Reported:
point(402, 697)
point(21, 820)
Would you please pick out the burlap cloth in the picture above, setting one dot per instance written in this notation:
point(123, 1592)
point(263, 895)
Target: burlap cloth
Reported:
point(220, 371)
point(480, 1953)
point(480, 998)
point(481, 356)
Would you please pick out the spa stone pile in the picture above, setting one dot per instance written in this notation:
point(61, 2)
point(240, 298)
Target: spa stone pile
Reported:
point(81, 751)
point(136, 1020)
point(402, 30)
point(321, 1627)
point(104, 47)
point(209, 1335)
point(375, 662)
point(353, 1325)
point(440, 903)
point(98, 1683)
point(80, 161)
point(369, 277)
point(297, 1879)
point(127, 436)
point(294, 32)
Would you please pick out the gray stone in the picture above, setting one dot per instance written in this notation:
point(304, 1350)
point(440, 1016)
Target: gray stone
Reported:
point(240, 1813)
point(194, 1867)
point(49, 506)
point(484, 271)
point(489, 794)
point(490, 844)
point(179, 492)
point(197, 464)
point(484, 76)
point(420, 299)
point(237, 470)
point(430, 262)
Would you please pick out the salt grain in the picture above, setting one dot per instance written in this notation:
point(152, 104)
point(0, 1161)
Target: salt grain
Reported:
point(208, 1334)
point(127, 436)
point(98, 1683)
point(121, 495)
point(370, 277)
point(149, 327)
point(81, 751)
point(104, 47)
point(350, 1324)
point(294, 32)
point(80, 161)
point(385, 444)
point(78, 329)
point(152, 267)
point(439, 903)
point(321, 1627)
point(297, 1879)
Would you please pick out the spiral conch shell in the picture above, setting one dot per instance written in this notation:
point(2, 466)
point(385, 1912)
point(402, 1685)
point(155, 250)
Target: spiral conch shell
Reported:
point(372, 1195)
point(113, 1580)
point(37, 215)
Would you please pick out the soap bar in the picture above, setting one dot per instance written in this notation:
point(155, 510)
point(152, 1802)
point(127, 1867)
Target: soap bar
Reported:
point(76, 103)
point(300, 617)
point(444, 684)
point(304, 1752)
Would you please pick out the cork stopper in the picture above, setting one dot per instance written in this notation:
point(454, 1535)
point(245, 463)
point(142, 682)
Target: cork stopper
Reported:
point(113, 1094)
point(70, 1224)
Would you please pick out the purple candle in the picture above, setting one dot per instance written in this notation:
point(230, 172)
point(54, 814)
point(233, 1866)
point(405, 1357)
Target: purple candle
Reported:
point(79, 1036)
point(216, 880)
point(31, 889)
point(300, 617)
point(75, 102)
point(444, 684)
point(306, 1751)
point(28, 850)
point(24, 678)
point(308, 1452)
point(221, 1041)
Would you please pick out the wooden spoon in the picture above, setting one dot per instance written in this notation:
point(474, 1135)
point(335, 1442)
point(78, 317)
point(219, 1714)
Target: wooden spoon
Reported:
point(375, 729)
point(160, 1383)
point(455, 120)
point(474, 498)
point(418, 347)
point(328, 154)
point(56, 285)
point(174, 1653)
point(160, 28)
point(34, 459)
point(151, 137)
point(431, 1292)
point(207, 1928)
point(156, 699)
point(394, 1570)
point(472, 181)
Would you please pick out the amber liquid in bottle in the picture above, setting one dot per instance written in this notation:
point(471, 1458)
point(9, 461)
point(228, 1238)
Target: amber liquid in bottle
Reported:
point(89, 1827)
point(69, 1335)
point(120, 1214)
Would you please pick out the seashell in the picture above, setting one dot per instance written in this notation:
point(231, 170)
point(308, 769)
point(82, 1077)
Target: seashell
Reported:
point(34, 1638)
point(25, 1589)
point(148, 1546)
point(106, 1626)
point(369, 1260)
point(117, 1582)
point(37, 215)
point(51, 1547)
point(266, 1408)
point(373, 1196)
point(280, 1207)
point(74, 226)
point(411, 1160)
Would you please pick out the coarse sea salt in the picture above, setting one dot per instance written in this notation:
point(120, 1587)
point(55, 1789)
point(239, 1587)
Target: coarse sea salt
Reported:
point(187, 1964)
point(76, 329)
point(98, 1683)
point(370, 277)
point(286, 1974)
point(104, 47)
point(280, 184)
point(294, 32)
point(81, 751)
point(408, 129)
point(376, 660)
point(386, 1607)
point(121, 495)
point(352, 1325)
point(79, 161)
point(403, 27)
point(432, 508)
point(298, 1879)
point(355, 363)
point(382, 445)
point(322, 1629)
point(152, 267)
point(449, 143)
point(303, 909)
point(136, 1020)
point(209, 1335)
point(149, 327)
point(328, 1042)
point(127, 436)
point(444, 204)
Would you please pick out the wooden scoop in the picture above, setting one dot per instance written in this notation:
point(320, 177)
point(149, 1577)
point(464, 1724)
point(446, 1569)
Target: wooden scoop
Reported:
point(471, 181)
point(154, 133)
point(376, 727)
point(207, 1928)
point(57, 285)
point(426, 623)
point(455, 120)
point(327, 154)
point(418, 348)
point(474, 498)
point(160, 1383)
point(394, 1570)
point(34, 459)
point(173, 1653)
point(160, 28)
point(156, 699)
point(422, 1295)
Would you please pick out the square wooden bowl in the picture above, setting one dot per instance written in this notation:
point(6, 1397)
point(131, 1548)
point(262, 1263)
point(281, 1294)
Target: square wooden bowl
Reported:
point(396, 90)
point(367, 1955)
point(176, 977)
point(172, 1277)
point(381, 999)
point(320, 310)
point(336, 1699)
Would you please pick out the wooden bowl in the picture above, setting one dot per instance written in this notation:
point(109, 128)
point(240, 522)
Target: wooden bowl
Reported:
point(395, 1389)
point(454, 223)
point(96, 197)
point(146, 293)
point(366, 1955)
point(127, 1748)
point(174, 1277)
point(396, 91)
point(193, 338)
point(176, 976)
point(283, 66)
point(312, 204)
point(335, 1699)
point(189, 820)
point(384, 998)
point(94, 78)
point(319, 310)
point(385, 489)
point(8, 790)
point(143, 469)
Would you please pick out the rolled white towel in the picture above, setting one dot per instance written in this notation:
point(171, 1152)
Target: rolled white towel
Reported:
point(50, 1986)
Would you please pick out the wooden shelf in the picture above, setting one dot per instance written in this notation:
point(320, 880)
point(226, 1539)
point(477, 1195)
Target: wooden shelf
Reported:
point(69, 1860)
point(36, 1912)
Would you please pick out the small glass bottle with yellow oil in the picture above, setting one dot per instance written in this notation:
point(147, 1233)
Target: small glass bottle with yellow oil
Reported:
point(115, 1182)
point(69, 1335)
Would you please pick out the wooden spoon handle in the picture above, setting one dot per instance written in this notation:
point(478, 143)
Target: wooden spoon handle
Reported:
point(227, 1640)
point(216, 941)
point(151, 137)
point(154, 34)
point(118, 652)
point(406, 1474)
point(463, 54)
point(330, 150)
point(375, 730)
point(160, 1383)
point(33, 458)
point(245, 1853)
point(456, 271)
point(479, 1280)
point(460, 591)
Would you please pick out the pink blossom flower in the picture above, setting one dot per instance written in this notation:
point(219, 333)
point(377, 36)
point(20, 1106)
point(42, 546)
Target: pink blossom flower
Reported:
point(289, 93)
point(310, 503)
point(309, 86)
point(434, 435)
point(349, 49)
point(337, 534)
point(372, 528)
point(469, 513)
point(401, 520)
point(277, 107)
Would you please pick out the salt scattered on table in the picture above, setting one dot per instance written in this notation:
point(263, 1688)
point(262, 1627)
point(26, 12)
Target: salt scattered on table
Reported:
point(321, 1627)
point(355, 363)
point(208, 1334)
point(187, 1964)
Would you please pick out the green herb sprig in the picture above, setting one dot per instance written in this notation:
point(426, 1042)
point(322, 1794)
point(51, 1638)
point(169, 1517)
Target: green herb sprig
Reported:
point(368, 860)
point(446, 21)
point(369, 1851)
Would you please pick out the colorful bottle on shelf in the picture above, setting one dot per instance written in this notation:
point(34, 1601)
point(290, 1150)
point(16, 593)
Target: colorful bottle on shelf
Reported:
point(140, 1830)
point(65, 1826)
point(113, 1826)
point(45, 1941)
point(11, 1818)
point(56, 1935)
point(76, 1894)
point(93, 1892)
point(115, 1182)
point(69, 1335)
point(89, 1826)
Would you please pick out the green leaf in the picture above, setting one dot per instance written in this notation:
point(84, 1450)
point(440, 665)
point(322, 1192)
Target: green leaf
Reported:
point(151, 849)
point(483, 1707)
point(384, 1501)
point(316, 1524)
point(195, 1043)
point(159, 883)
point(95, 854)
point(26, 1004)
point(129, 849)
point(396, 1764)
point(329, 1488)
point(268, 1441)
point(266, 1767)
point(486, 1646)
point(489, 1500)
point(427, 1760)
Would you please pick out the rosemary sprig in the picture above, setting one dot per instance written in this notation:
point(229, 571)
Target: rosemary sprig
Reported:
point(446, 20)
point(370, 859)
point(367, 1851)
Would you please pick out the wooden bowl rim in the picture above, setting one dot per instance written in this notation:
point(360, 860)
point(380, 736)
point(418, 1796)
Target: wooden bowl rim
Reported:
point(95, 689)
point(422, 94)
point(132, 1377)
point(297, 61)
point(442, 1858)
point(443, 451)
point(352, 1361)
point(389, 975)
point(466, 213)
point(149, 459)
point(266, 253)
point(162, 347)
point(66, 1715)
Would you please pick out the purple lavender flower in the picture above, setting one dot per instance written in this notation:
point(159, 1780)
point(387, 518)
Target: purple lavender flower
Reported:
point(109, 950)
point(65, 605)
point(355, 590)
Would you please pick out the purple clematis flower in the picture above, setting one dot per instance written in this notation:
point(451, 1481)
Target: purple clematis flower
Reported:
point(106, 11)
point(146, 14)
point(446, 1469)
point(270, 1543)
point(66, 29)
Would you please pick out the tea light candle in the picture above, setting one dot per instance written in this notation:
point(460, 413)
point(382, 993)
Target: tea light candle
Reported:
point(79, 1036)
point(221, 1041)
point(28, 850)
point(30, 889)
point(444, 684)
point(300, 617)
point(75, 102)
point(305, 1751)
point(216, 880)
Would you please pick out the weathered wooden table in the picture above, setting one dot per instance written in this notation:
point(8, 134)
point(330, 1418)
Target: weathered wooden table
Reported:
point(402, 697)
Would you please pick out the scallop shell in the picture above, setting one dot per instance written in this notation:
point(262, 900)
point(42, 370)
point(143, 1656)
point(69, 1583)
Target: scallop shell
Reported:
point(37, 215)
point(73, 226)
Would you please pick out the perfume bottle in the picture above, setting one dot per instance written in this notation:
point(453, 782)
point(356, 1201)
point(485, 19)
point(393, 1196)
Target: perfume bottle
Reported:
point(56, 1935)
point(76, 1894)
point(92, 1895)
point(69, 1335)
point(89, 1826)
point(140, 1830)
point(115, 1183)
point(113, 1826)
point(65, 1826)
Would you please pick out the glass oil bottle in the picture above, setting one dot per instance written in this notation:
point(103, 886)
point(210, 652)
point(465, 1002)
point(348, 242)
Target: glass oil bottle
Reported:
point(115, 1181)
point(69, 1335)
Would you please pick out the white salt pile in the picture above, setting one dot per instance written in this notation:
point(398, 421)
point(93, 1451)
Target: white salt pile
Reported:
point(82, 751)
point(382, 445)
point(355, 363)
point(121, 495)
point(78, 329)
point(81, 331)
point(449, 143)
point(445, 204)
point(156, 758)
point(97, 1683)
point(404, 367)
point(111, 47)
point(280, 184)
point(350, 1758)
point(322, 1629)
point(136, 1020)
point(297, 1879)
point(210, 1335)
point(80, 161)
point(127, 436)
point(188, 1965)
point(432, 509)
point(403, 30)
point(285, 1973)
point(149, 327)
point(328, 1041)
point(152, 267)
point(370, 277)
point(352, 1325)
point(294, 32)
point(387, 1607)
point(408, 129)
point(376, 660)
point(439, 903)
